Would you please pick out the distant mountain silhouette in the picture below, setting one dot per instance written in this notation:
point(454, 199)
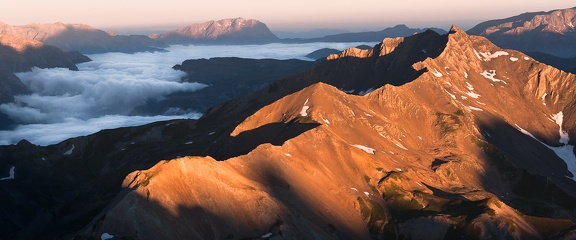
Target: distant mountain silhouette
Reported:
point(372, 36)
point(225, 31)
point(227, 78)
point(82, 38)
point(566, 64)
point(550, 32)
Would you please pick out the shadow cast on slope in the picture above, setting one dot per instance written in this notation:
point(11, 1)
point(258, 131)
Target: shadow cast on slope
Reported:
point(532, 172)
point(347, 73)
point(273, 133)
point(93, 177)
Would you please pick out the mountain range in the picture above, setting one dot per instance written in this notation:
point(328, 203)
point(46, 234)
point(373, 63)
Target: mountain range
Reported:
point(225, 31)
point(367, 36)
point(424, 137)
point(83, 38)
point(547, 32)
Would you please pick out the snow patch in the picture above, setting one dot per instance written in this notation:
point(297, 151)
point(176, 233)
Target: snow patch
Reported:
point(473, 94)
point(565, 152)
point(469, 86)
point(369, 90)
point(513, 59)
point(348, 91)
point(365, 149)
point(526, 58)
point(491, 75)
point(188, 143)
point(326, 121)
point(288, 155)
point(267, 235)
point(487, 56)
point(436, 73)
point(70, 150)
point(525, 132)
point(559, 119)
point(106, 236)
point(305, 108)
point(367, 114)
point(11, 174)
point(211, 133)
point(451, 95)
point(399, 169)
point(354, 189)
point(478, 55)
point(470, 108)
point(367, 193)
point(543, 98)
point(419, 137)
point(465, 75)
point(401, 146)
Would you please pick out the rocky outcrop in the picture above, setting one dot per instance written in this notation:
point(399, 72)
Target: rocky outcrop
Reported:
point(458, 139)
point(548, 32)
point(83, 38)
point(225, 31)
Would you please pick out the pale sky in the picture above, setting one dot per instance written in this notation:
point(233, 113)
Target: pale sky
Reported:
point(277, 14)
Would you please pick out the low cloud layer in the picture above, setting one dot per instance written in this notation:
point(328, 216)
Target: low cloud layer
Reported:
point(99, 96)
point(52, 133)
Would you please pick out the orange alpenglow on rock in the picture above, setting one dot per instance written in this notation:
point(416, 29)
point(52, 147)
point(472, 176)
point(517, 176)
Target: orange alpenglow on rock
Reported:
point(437, 150)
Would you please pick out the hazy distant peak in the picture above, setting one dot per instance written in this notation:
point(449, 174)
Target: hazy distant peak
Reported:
point(19, 44)
point(231, 30)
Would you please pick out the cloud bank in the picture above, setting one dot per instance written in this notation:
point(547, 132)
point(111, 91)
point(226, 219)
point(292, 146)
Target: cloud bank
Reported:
point(101, 94)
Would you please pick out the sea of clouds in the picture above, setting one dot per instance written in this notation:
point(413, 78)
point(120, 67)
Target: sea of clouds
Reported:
point(102, 93)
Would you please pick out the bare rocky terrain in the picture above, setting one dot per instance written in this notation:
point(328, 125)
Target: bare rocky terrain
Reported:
point(547, 32)
point(425, 137)
point(225, 31)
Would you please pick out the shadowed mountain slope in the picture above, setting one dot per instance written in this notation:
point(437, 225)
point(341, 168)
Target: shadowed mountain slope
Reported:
point(370, 36)
point(227, 78)
point(459, 139)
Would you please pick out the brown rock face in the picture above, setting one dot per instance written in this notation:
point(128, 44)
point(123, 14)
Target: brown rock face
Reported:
point(467, 144)
point(548, 32)
point(226, 31)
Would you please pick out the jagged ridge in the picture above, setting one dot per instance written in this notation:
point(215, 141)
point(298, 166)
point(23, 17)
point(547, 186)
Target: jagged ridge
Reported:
point(442, 152)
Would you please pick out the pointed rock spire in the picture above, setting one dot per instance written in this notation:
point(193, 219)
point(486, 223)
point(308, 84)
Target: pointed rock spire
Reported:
point(454, 29)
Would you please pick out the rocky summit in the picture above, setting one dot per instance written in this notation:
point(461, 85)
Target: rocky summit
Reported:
point(425, 137)
point(547, 32)
point(225, 31)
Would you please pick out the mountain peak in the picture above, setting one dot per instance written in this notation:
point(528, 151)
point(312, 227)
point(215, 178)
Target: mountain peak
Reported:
point(454, 29)
point(548, 32)
point(231, 30)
